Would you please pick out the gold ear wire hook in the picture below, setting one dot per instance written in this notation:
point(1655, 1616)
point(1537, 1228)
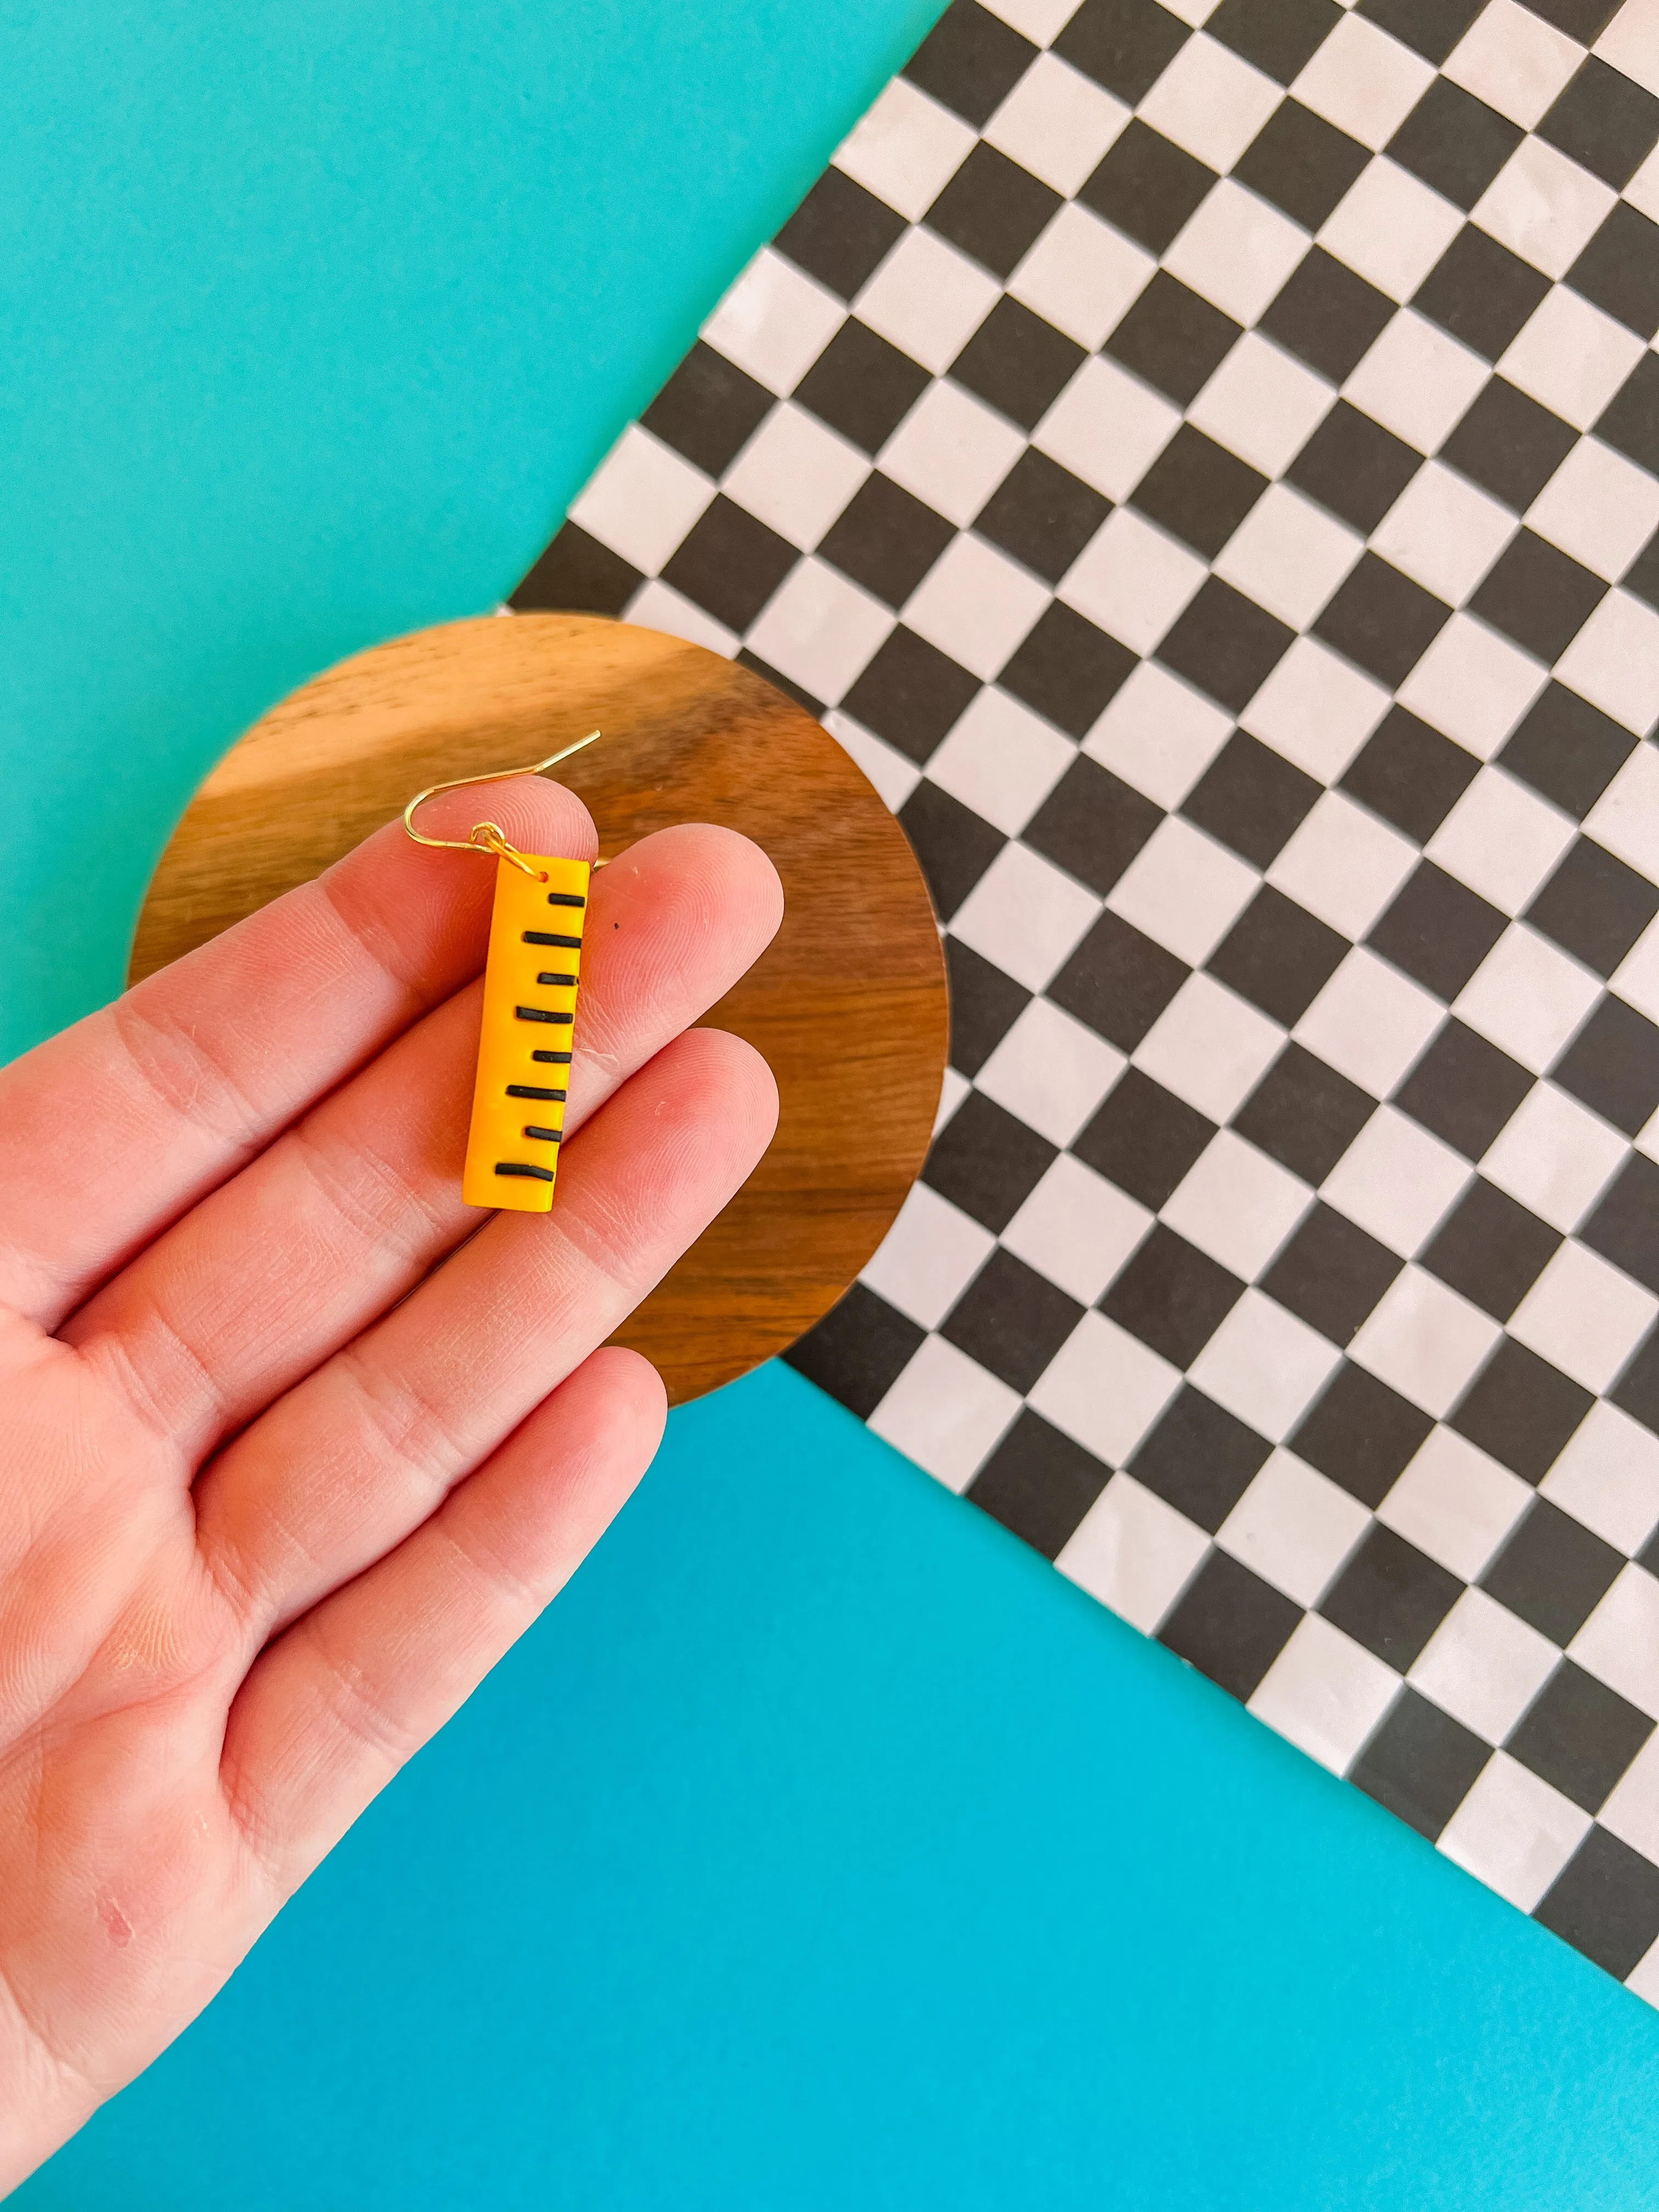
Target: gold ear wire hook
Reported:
point(486, 836)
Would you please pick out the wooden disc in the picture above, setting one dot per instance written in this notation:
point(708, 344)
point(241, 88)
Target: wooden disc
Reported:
point(848, 1005)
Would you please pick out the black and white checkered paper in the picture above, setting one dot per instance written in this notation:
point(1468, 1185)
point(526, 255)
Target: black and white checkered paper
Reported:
point(1202, 461)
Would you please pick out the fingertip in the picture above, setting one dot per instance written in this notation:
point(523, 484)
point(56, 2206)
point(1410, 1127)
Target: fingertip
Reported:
point(742, 1077)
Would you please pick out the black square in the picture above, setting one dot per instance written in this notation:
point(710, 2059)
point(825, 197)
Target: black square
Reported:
point(1327, 316)
point(1304, 1115)
point(1278, 955)
point(1421, 1763)
point(1200, 1458)
point(1410, 774)
point(1583, 19)
point(1613, 1065)
point(1172, 1296)
point(1618, 270)
point(1521, 1411)
point(776, 678)
point(987, 1162)
point(1041, 514)
point(1454, 142)
point(985, 1004)
point(970, 61)
point(886, 539)
point(1508, 444)
point(1642, 577)
point(1173, 339)
point(1567, 749)
point(729, 562)
point(840, 233)
point(858, 1351)
point(1018, 362)
point(910, 694)
point(1199, 490)
point(1594, 906)
point(1067, 668)
point(1631, 419)
point(1362, 1434)
point(1011, 1320)
point(578, 575)
point(1538, 595)
point(1437, 930)
point(1225, 644)
point(1279, 36)
point(1038, 1483)
point(1637, 1393)
point(1301, 163)
point(1382, 619)
point(1251, 798)
point(1625, 1226)
point(1331, 1273)
point(1354, 466)
point(1491, 1249)
point(1606, 120)
point(1480, 292)
point(1429, 27)
point(1146, 186)
point(1143, 1137)
point(1091, 824)
point(1579, 1735)
point(992, 208)
point(1463, 1089)
point(1553, 1572)
point(1118, 981)
point(709, 408)
point(861, 386)
point(1605, 1902)
point(1390, 1597)
point(954, 845)
point(1125, 44)
point(1230, 1624)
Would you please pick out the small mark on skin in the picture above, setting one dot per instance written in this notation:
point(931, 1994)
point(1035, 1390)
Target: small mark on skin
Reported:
point(116, 1926)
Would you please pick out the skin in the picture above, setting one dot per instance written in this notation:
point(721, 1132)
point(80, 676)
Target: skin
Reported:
point(293, 1444)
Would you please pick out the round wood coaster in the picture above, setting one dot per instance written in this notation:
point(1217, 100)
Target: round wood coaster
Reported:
point(848, 1005)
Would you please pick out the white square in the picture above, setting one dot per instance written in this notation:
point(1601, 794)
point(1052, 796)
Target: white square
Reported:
point(1607, 1477)
point(906, 150)
point(951, 451)
point(775, 322)
point(643, 500)
point(1396, 1180)
point(1293, 1527)
point(975, 604)
point(656, 606)
point(1620, 1642)
point(1132, 579)
point(1056, 123)
point(1370, 1022)
point(795, 475)
point(1555, 1156)
point(1585, 1315)
point(1513, 61)
point(1289, 555)
point(1528, 997)
point(1209, 1048)
point(1571, 357)
point(1158, 734)
point(1042, 22)
point(928, 1257)
point(1052, 1072)
point(1484, 1665)
point(1501, 839)
point(1444, 533)
point(1077, 1229)
point(1025, 916)
point(1390, 226)
point(1455, 1503)
point(1416, 380)
point(1133, 1553)
point(1631, 1812)
point(1630, 42)
point(1599, 508)
point(1543, 206)
point(1262, 404)
point(1105, 1389)
point(1210, 102)
point(1363, 81)
point(1265, 1365)
point(820, 630)
point(1236, 251)
point(1237, 1205)
point(1626, 817)
point(926, 298)
point(1316, 708)
point(1473, 685)
point(945, 1413)
point(1325, 1694)
point(1513, 1832)
point(1613, 662)
point(894, 777)
point(1195, 12)
point(1343, 865)
point(1424, 1341)
point(1636, 979)
point(1002, 760)
point(1107, 428)
point(1184, 889)
point(1081, 276)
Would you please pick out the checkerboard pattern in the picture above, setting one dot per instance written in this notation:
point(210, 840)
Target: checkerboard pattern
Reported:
point(1202, 461)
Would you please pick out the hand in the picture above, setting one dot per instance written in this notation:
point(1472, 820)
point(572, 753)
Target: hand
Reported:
point(293, 1444)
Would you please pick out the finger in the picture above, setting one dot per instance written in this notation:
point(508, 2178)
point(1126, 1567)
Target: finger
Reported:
point(347, 1211)
point(334, 1708)
point(114, 1127)
point(359, 1454)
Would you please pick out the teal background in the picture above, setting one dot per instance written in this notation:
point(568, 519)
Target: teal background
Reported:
point(821, 1847)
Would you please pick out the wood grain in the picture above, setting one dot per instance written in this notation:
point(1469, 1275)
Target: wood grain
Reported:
point(849, 1005)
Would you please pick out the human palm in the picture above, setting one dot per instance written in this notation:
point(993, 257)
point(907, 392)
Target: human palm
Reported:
point(294, 1444)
